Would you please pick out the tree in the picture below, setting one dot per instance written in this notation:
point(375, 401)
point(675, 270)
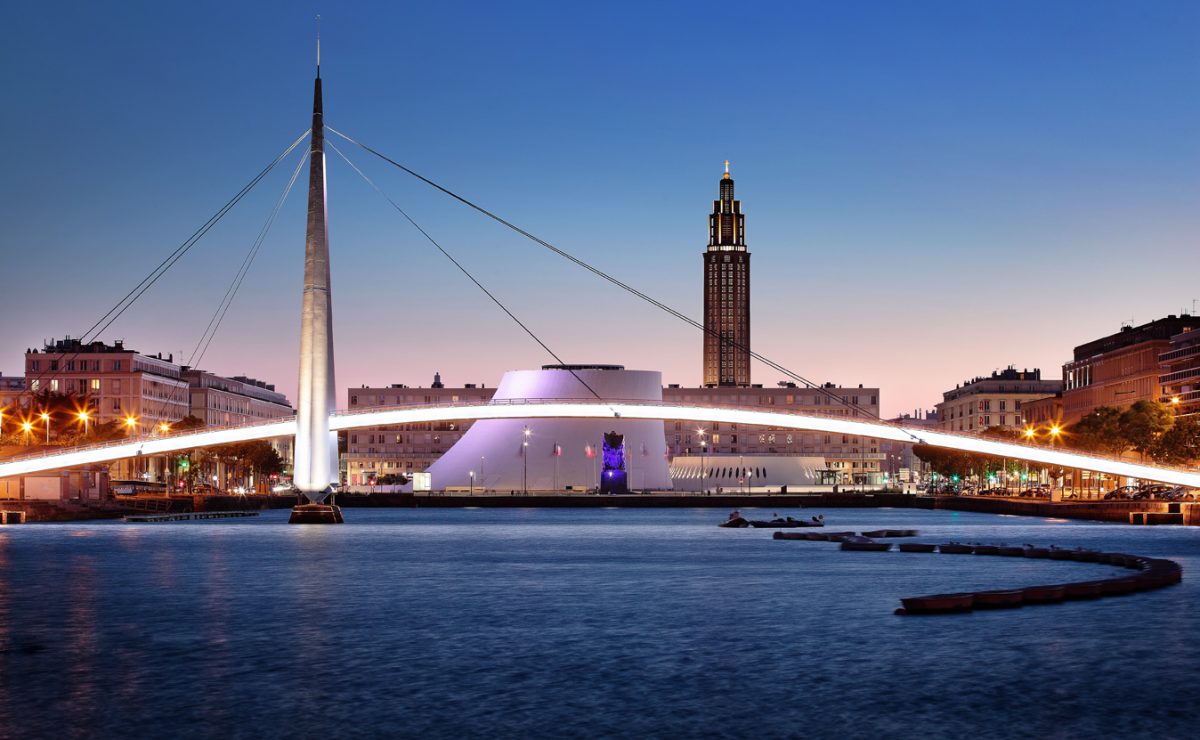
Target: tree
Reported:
point(1099, 431)
point(1143, 423)
point(109, 431)
point(945, 462)
point(188, 422)
point(1180, 444)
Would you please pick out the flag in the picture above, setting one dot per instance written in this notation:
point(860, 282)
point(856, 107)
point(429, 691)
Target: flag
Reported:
point(557, 450)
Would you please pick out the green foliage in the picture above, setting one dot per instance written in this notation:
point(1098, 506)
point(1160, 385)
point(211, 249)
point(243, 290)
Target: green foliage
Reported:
point(186, 423)
point(1143, 423)
point(1099, 431)
point(1180, 444)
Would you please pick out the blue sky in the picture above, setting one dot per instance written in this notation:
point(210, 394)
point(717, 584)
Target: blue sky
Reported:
point(933, 190)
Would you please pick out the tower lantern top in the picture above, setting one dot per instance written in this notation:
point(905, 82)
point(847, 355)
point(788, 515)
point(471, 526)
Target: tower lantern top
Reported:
point(726, 170)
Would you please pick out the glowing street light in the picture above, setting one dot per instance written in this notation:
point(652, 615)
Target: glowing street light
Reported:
point(471, 474)
point(1174, 400)
point(131, 422)
point(84, 417)
point(27, 427)
point(525, 463)
point(46, 421)
point(1030, 433)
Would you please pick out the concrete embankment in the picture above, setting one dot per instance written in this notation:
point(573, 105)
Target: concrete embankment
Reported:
point(656, 500)
point(1149, 512)
point(1105, 511)
point(1160, 512)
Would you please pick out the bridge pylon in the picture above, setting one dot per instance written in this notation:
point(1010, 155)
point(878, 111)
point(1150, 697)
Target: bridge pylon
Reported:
point(315, 464)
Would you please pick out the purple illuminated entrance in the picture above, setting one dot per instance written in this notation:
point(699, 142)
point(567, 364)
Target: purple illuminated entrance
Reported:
point(612, 476)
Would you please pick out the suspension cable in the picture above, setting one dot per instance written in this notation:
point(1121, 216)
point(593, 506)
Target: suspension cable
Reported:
point(138, 290)
point(466, 272)
point(214, 323)
point(620, 284)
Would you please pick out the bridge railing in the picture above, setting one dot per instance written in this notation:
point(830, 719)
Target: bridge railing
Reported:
point(917, 432)
point(156, 435)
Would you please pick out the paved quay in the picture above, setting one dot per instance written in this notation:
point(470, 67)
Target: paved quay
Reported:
point(1125, 512)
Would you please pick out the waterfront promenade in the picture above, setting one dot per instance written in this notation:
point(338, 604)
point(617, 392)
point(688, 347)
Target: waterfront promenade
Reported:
point(1106, 511)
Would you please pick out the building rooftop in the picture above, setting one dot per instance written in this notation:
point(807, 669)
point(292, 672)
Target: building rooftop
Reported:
point(1159, 329)
point(76, 346)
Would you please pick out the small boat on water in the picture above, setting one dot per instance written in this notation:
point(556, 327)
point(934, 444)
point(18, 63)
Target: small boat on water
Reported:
point(937, 604)
point(916, 547)
point(1000, 599)
point(954, 548)
point(785, 523)
point(735, 523)
point(862, 544)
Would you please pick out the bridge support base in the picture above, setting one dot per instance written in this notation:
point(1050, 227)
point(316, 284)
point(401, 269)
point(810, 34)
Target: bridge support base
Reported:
point(316, 514)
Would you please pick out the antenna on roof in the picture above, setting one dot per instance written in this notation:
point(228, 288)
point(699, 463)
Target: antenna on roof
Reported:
point(318, 45)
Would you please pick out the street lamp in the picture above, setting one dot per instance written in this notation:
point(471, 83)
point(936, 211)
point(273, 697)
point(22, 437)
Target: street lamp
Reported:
point(481, 483)
point(46, 421)
point(471, 473)
point(164, 427)
point(84, 417)
point(1030, 433)
point(525, 463)
point(130, 423)
point(27, 427)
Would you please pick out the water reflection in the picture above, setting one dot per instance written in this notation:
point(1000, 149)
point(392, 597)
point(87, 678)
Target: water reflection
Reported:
point(558, 622)
point(81, 630)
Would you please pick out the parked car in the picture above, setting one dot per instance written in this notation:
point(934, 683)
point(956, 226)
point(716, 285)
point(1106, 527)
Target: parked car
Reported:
point(1036, 492)
point(1124, 493)
point(1151, 491)
point(995, 492)
point(1179, 493)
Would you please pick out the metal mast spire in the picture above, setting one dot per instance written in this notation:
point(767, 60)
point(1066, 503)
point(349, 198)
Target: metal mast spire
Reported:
point(316, 468)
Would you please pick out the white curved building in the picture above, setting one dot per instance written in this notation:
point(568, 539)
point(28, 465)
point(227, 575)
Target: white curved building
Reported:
point(561, 453)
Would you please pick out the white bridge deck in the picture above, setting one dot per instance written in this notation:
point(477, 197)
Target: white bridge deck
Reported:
point(576, 409)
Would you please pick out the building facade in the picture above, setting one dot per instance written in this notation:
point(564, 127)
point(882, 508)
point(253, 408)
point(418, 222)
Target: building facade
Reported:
point(1120, 369)
point(1180, 373)
point(219, 401)
point(118, 384)
point(901, 465)
point(405, 448)
point(561, 454)
point(993, 401)
point(376, 452)
point(726, 292)
point(1043, 413)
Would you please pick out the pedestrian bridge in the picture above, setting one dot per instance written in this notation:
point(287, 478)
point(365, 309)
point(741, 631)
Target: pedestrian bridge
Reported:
point(576, 409)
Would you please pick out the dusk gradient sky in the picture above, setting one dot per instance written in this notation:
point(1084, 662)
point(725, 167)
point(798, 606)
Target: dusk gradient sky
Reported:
point(933, 190)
